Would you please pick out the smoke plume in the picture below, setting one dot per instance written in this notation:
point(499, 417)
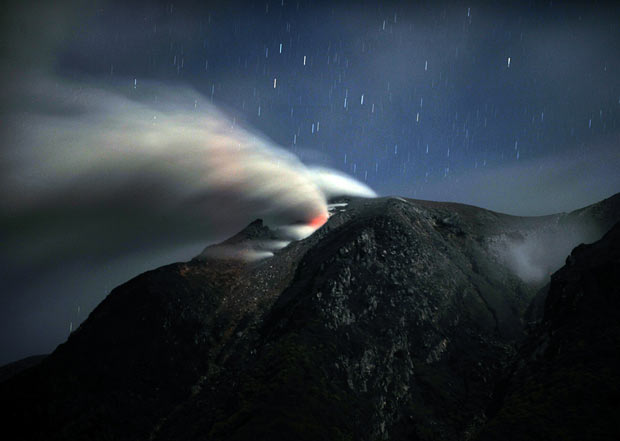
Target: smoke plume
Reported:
point(105, 171)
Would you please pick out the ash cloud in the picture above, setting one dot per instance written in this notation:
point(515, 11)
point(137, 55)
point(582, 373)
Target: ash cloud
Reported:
point(101, 180)
point(95, 177)
point(94, 170)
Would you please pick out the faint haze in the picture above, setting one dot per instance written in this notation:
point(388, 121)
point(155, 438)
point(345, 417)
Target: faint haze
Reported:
point(552, 184)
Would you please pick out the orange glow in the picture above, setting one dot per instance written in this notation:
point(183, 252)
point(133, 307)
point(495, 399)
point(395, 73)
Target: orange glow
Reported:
point(318, 221)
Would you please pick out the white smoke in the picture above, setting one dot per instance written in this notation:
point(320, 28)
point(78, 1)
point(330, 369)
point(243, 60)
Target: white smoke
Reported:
point(94, 170)
point(334, 183)
point(534, 254)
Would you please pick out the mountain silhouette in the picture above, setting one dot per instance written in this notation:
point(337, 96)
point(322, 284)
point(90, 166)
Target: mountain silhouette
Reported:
point(398, 319)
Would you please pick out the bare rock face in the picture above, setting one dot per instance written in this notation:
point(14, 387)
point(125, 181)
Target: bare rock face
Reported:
point(398, 319)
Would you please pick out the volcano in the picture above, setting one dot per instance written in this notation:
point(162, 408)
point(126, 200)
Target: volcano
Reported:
point(397, 319)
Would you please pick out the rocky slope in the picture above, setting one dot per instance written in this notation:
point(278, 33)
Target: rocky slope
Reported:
point(397, 319)
point(564, 382)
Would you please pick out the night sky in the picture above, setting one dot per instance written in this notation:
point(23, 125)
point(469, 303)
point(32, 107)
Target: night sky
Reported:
point(511, 107)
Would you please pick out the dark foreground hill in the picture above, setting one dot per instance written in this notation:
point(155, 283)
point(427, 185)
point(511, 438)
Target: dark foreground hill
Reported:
point(398, 319)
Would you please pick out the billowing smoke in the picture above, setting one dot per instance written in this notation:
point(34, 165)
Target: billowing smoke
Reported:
point(98, 171)
point(534, 254)
point(332, 183)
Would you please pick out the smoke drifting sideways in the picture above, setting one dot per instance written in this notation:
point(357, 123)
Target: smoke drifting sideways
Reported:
point(95, 171)
point(534, 253)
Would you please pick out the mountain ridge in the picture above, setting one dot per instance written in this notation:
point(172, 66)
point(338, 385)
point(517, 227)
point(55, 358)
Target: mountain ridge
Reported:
point(399, 314)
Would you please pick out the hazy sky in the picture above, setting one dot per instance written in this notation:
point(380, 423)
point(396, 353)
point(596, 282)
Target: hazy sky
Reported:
point(515, 108)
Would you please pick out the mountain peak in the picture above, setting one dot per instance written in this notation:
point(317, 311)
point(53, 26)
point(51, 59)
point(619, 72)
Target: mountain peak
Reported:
point(255, 230)
point(255, 241)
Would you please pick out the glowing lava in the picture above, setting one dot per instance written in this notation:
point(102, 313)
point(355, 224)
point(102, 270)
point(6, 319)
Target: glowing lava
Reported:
point(317, 221)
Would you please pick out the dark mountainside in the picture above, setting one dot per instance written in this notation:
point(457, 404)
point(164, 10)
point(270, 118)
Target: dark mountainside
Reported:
point(565, 382)
point(9, 370)
point(398, 319)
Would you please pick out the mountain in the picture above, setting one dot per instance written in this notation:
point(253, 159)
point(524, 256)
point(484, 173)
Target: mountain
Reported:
point(398, 319)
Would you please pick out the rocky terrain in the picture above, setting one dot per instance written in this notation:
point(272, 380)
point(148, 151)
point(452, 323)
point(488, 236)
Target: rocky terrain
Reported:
point(564, 383)
point(398, 319)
